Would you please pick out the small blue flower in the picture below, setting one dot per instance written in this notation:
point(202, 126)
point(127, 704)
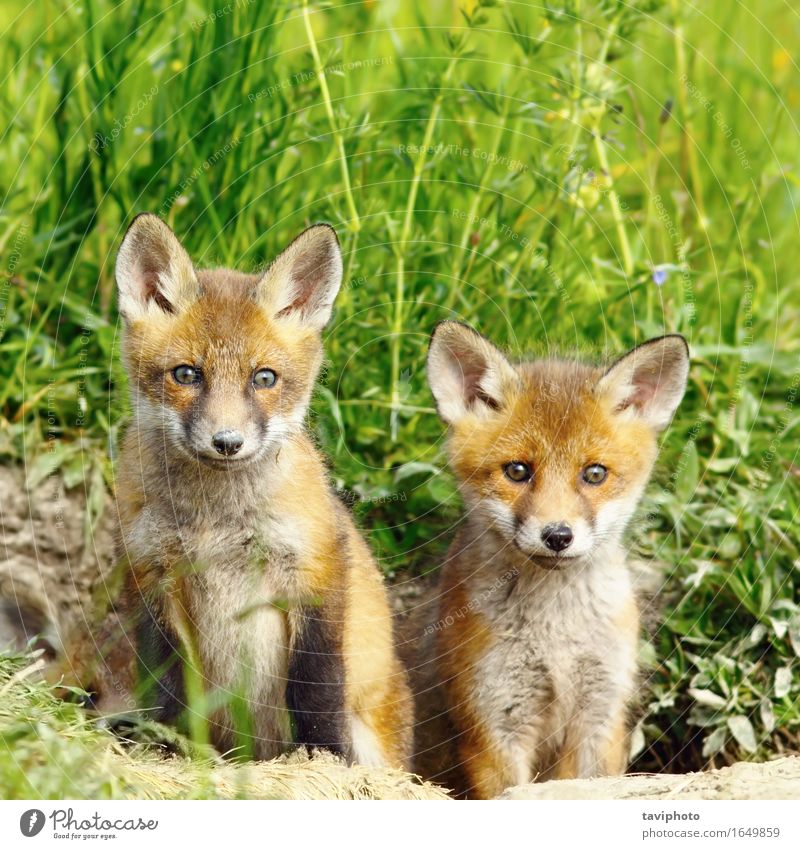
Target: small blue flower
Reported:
point(659, 276)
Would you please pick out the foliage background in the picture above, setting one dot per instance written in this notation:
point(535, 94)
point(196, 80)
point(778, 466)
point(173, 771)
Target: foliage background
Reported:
point(566, 175)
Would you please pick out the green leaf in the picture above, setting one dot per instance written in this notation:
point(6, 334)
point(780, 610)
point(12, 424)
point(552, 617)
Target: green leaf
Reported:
point(767, 716)
point(794, 634)
point(743, 733)
point(689, 472)
point(714, 743)
point(783, 682)
point(707, 697)
point(408, 470)
point(638, 741)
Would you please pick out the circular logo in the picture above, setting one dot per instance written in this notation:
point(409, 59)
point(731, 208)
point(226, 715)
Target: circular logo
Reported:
point(31, 822)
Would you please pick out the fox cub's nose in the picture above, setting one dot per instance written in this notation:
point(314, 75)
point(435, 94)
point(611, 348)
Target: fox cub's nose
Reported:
point(557, 537)
point(227, 442)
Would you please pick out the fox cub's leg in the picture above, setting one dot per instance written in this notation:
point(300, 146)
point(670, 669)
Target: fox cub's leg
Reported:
point(492, 754)
point(380, 708)
point(381, 733)
point(597, 740)
point(486, 777)
point(381, 715)
point(315, 691)
point(378, 697)
point(160, 665)
point(600, 737)
point(603, 749)
point(490, 769)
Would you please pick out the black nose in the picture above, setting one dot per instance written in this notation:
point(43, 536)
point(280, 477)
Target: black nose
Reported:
point(557, 537)
point(227, 442)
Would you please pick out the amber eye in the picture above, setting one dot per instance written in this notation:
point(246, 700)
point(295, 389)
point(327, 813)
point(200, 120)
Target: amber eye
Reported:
point(595, 474)
point(264, 378)
point(186, 375)
point(518, 472)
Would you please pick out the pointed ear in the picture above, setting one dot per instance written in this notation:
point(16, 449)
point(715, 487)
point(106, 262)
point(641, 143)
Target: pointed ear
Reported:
point(650, 380)
point(466, 373)
point(302, 283)
point(153, 270)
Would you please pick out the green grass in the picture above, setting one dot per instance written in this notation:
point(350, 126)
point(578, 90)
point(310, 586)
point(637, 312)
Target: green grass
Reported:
point(605, 143)
point(51, 749)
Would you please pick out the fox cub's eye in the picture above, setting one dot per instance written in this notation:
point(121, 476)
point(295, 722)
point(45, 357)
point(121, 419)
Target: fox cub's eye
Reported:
point(264, 378)
point(595, 474)
point(518, 472)
point(186, 375)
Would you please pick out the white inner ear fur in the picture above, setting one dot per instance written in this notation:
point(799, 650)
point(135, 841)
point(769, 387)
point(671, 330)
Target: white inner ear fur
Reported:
point(153, 271)
point(649, 381)
point(303, 281)
point(466, 373)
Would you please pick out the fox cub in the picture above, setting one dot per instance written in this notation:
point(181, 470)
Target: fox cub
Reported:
point(534, 642)
point(241, 562)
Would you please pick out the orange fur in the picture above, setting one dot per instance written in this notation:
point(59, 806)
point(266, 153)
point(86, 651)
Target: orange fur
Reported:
point(251, 567)
point(536, 641)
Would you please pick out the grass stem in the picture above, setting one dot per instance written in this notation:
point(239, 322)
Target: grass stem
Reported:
point(354, 225)
point(402, 246)
point(690, 148)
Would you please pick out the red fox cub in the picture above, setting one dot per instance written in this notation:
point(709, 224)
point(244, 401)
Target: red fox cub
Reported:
point(242, 562)
point(535, 638)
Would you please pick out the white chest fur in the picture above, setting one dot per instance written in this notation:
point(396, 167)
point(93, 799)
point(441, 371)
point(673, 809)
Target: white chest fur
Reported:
point(243, 646)
point(559, 661)
point(237, 576)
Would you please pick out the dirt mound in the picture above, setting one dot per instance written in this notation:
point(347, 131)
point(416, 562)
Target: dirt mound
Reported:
point(50, 556)
point(778, 779)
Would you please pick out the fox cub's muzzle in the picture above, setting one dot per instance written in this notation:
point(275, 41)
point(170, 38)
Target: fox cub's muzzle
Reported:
point(557, 536)
point(227, 442)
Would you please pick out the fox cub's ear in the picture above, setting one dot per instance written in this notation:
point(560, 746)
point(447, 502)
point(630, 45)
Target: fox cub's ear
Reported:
point(302, 283)
point(650, 380)
point(466, 373)
point(153, 270)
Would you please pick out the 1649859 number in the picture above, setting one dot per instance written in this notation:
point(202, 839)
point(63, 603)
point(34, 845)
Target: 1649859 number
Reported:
point(758, 832)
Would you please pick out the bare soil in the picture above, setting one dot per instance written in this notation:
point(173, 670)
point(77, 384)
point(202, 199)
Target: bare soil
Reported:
point(778, 779)
point(49, 558)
